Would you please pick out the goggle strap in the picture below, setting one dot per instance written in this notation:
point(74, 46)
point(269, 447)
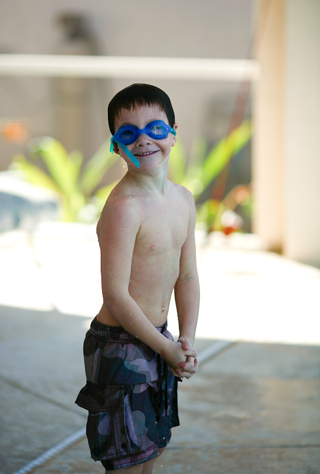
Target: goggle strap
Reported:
point(112, 145)
point(126, 151)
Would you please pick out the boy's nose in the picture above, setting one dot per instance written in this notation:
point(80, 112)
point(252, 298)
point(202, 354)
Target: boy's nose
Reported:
point(142, 139)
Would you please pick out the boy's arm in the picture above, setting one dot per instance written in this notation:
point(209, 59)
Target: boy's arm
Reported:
point(117, 231)
point(187, 291)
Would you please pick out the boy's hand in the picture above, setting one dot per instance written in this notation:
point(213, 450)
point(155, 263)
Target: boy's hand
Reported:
point(175, 355)
point(190, 366)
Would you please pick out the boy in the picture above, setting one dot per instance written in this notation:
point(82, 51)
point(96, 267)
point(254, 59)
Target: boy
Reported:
point(146, 237)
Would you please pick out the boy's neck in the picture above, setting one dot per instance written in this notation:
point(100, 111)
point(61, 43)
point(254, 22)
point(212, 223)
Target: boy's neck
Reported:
point(154, 180)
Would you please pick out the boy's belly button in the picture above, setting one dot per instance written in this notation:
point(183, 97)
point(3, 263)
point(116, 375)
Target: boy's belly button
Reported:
point(163, 308)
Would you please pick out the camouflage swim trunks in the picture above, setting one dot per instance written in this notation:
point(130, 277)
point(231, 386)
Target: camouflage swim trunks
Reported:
point(131, 397)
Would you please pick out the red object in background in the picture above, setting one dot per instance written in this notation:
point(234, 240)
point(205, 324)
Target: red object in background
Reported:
point(14, 131)
point(229, 230)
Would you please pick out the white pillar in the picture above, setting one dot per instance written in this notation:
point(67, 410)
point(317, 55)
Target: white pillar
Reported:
point(286, 145)
point(302, 131)
point(268, 110)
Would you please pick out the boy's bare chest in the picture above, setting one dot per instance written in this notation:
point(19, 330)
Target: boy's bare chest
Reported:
point(163, 229)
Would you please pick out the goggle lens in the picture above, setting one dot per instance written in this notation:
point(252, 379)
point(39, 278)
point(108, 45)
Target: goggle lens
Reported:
point(126, 135)
point(159, 130)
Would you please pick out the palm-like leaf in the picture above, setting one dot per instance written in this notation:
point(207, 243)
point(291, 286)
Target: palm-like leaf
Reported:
point(199, 177)
point(96, 168)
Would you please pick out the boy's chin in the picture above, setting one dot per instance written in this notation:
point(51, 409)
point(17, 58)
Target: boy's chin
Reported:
point(148, 164)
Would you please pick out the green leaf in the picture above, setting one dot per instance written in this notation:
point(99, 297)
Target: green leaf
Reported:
point(190, 176)
point(36, 176)
point(33, 174)
point(103, 193)
point(61, 168)
point(76, 157)
point(208, 212)
point(198, 151)
point(96, 168)
point(199, 177)
point(221, 154)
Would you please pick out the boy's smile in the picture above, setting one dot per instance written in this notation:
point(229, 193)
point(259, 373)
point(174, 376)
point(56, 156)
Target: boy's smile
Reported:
point(146, 153)
point(149, 152)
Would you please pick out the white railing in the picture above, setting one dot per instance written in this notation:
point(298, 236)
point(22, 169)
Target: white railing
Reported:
point(128, 67)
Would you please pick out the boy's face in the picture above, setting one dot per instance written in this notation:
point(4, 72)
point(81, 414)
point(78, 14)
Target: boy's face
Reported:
point(150, 152)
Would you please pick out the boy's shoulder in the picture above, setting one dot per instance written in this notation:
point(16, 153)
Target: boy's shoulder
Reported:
point(120, 207)
point(183, 193)
point(123, 195)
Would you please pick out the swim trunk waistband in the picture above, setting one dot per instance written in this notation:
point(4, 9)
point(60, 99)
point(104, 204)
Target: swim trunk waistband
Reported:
point(113, 333)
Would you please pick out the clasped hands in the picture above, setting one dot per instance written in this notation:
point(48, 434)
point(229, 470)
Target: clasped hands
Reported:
point(190, 366)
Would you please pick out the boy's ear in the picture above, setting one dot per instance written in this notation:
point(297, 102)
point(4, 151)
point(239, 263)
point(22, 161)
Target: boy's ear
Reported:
point(175, 126)
point(116, 148)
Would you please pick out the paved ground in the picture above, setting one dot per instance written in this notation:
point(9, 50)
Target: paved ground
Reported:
point(252, 408)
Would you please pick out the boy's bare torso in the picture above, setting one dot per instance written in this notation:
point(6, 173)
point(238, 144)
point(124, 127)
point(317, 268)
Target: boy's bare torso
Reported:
point(162, 226)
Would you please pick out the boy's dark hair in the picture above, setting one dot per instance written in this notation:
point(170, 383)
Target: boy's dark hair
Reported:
point(139, 94)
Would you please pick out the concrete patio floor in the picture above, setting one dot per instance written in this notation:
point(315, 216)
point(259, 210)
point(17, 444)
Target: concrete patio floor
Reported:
point(253, 407)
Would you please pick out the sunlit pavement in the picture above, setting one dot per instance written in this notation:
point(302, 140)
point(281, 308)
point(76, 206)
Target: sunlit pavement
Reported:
point(246, 293)
point(253, 407)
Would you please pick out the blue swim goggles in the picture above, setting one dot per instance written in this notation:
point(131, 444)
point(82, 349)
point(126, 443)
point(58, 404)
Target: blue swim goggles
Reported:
point(127, 134)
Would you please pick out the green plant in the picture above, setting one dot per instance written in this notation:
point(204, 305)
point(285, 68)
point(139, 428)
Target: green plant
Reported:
point(220, 216)
point(76, 184)
point(202, 169)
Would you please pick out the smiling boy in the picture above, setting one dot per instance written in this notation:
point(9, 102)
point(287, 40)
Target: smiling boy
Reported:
point(146, 238)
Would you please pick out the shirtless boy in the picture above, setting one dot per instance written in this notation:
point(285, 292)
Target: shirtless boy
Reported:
point(146, 237)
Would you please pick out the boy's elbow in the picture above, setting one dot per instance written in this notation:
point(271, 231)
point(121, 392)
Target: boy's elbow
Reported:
point(109, 304)
point(113, 300)
point(109, 300)
point(188, 277)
